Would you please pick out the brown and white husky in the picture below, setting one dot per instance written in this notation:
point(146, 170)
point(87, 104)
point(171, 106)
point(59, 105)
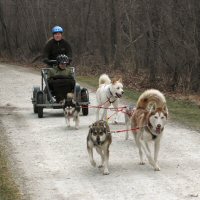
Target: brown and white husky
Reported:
point(150, 117)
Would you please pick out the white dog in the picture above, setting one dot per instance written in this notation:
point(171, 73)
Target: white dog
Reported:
point(108, 93)
point(149, 120)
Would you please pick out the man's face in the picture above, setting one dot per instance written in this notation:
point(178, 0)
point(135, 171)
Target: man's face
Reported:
point(62, 66)
point(57, 36)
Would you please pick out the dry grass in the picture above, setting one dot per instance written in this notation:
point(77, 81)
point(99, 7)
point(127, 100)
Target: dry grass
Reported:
point(8, 188)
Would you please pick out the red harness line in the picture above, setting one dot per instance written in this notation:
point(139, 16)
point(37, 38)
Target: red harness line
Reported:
point(93, 91)
point(118, 110)
point(119, 131)
point(101, 106)
point(122, 111)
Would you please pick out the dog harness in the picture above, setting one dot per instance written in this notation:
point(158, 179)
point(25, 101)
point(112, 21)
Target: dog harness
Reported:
point(148, 129)
point(110, 97)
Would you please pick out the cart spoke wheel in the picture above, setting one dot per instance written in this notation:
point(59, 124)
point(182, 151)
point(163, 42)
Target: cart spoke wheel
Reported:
point(40, 101)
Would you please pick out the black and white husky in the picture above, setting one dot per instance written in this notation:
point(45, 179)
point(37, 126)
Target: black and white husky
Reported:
point(71, 110)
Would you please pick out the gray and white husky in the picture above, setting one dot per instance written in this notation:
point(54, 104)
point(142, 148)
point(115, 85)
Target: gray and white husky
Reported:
point(99, 137)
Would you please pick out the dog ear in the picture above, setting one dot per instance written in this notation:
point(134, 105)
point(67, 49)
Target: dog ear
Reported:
point(117, 78)
point(90, 129)
point(120, 80)
point(165, 109)
point(107, 128)
point(114, 80)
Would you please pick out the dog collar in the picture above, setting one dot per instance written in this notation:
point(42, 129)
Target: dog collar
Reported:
point(111, 95)
point(147, 128)
point(110, 100)
point(110, 92)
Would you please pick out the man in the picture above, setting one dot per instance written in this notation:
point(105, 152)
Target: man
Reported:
point(56, 46)
point(60, 78)
point(60, 69)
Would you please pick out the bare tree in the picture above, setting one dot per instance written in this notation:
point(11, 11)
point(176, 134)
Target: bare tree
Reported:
point(160, 39)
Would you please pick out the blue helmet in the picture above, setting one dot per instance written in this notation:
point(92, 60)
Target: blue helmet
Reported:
point(57, 29)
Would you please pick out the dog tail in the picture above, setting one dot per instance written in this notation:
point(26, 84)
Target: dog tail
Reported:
point(151, 97)
point(104, 79)
point(70, 95)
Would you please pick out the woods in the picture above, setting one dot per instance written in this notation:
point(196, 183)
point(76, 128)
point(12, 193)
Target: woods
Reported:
point(159, 38)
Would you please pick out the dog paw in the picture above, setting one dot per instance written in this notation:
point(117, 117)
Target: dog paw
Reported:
point(157, 168)
point(142, 163)
point(93, 163)
point(106, 172)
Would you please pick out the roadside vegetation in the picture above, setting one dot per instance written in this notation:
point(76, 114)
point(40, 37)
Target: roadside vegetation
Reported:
point(184, 112)
point(8, 188)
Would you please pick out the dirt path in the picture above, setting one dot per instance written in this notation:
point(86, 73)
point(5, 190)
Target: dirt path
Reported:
point(51, 161)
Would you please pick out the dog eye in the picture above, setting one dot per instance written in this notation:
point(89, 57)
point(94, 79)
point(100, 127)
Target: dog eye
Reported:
point(94, 133)
point(101, 133)
point(155, 117)
point(162, 117)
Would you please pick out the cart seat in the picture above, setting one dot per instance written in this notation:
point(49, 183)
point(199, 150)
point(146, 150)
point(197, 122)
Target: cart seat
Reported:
point(60, 86)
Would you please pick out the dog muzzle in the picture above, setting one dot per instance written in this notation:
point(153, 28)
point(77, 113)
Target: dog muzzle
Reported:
point(159, 130)
point(98, 140)
point(118, 95)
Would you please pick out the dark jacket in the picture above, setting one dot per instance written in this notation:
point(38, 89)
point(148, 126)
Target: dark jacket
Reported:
point(54, 48)
point(56, 71)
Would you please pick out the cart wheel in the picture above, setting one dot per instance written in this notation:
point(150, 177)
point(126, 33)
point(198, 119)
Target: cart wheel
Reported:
point(39, 108)
point(84, 99)
point(35, 90)
point(35, 108)
point(77, 92)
